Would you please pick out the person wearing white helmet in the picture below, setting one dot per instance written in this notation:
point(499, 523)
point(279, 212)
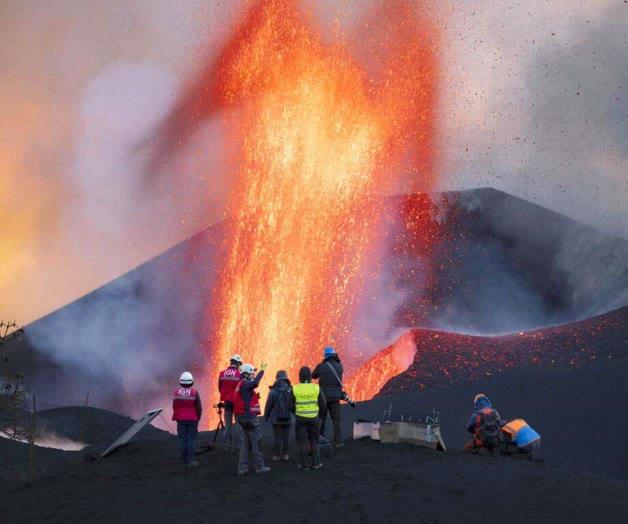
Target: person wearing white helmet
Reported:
point(247, 410)
point(227, 383)
point(187, 410)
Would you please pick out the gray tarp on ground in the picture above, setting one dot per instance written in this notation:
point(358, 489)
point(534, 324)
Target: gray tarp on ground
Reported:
point(132, 431)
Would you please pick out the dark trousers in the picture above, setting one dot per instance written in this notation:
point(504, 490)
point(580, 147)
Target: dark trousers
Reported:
point(232, 435)
point(333, 407)
point(187, 432)
point(250, 441)
point(281, 436)
point(307, 431)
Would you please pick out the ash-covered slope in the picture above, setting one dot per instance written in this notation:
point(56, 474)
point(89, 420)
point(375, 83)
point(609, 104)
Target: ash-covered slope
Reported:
point(92, 426)
point(579, 411)
point(476, 261)
point(365, 482)
point(448, 358)
point(482, 261)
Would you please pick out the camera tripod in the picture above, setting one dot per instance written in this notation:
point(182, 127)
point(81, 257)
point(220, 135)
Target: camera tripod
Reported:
point(221, 422)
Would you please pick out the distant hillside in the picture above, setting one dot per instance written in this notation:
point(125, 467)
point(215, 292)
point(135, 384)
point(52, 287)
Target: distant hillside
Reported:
point(477, 261)
point(439, 358)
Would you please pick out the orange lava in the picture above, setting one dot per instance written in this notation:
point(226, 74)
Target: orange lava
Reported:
point(372, 376)
point(318, 134)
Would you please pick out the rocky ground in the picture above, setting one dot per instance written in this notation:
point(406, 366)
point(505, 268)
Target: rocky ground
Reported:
point(365, 482)
point(579, 476)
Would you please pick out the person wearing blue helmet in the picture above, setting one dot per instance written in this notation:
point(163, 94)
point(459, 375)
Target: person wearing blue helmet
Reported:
point(329, 375)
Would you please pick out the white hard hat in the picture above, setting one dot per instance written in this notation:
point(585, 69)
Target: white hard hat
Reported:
point(186, 379)
point(247, 368)
point(236, 358)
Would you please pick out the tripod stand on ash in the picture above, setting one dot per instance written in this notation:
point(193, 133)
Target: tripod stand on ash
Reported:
point(221, 422)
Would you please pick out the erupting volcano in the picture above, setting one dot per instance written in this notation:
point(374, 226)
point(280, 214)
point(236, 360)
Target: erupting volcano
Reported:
point(318, 133)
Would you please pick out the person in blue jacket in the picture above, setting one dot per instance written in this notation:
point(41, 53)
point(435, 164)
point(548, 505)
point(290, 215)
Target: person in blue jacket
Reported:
point(484, 424)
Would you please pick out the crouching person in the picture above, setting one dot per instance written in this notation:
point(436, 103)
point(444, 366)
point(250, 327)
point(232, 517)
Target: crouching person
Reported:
point(306, 402)
point(277, 412)
point(484, 424)
point(187, 410)
point(519, 438)
point(247, 410)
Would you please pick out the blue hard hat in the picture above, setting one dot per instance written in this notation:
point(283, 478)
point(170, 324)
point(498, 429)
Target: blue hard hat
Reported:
point(329, 351)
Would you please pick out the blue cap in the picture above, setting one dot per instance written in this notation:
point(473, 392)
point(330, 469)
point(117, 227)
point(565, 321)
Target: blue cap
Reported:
point(329, 351)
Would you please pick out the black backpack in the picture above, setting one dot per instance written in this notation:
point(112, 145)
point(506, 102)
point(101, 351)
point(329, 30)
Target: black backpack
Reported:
point(281, 405)
point(489, 428)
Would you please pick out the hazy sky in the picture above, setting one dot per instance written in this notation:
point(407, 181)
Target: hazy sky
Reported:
point(533, 102)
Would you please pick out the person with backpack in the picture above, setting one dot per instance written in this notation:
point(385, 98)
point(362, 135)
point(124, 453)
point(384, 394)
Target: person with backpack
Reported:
point(485, 426)
point(329, 375)
point(187, 411)
point(247, 410)
point(307, 401)
point(278, 414)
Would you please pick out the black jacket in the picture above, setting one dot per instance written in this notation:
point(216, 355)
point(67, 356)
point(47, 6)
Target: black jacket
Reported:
point(327, 380)
point(292, 404)
point(270, 410)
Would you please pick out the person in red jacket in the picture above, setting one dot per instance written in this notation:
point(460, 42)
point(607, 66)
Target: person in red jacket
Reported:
point(247, 410)
point(187, 410)
point(227, 382)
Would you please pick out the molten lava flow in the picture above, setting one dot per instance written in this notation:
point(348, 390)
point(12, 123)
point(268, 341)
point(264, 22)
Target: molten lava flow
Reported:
point(372, 376)
point(317, 136)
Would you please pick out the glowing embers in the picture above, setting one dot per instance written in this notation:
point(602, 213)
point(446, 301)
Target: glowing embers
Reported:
point(449, 358)
point(314, 135)
point(388, 363)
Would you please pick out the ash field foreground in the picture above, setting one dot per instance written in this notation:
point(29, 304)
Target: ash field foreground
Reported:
point(367, 482)
point(581, 474)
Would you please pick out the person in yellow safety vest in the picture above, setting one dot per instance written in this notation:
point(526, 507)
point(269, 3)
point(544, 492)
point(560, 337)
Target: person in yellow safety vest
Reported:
point(306, 401)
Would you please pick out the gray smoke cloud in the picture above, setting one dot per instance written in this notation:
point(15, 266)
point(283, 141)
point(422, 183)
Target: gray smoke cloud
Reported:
point(529, 267)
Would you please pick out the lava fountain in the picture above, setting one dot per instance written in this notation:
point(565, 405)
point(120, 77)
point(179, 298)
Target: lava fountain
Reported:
point(318, 134)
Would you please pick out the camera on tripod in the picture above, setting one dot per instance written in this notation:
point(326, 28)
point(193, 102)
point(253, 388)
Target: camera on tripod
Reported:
point(345, 396)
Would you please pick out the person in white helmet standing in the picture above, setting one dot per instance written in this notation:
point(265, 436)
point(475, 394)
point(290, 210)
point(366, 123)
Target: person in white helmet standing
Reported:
point(227, 382)
point(247, 410)
point(187, 410)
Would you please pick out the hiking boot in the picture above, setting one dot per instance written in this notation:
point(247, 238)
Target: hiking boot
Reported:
point(276, 458)
point(192, 464)
point(318, 466)
point(304, 468)
point(265, 469)
point(285, 458)
point(243, 471)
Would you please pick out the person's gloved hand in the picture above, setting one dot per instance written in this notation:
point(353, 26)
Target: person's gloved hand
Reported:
point(263, 367)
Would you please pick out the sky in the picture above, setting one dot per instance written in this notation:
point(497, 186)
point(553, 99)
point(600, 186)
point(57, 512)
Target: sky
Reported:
point(533, 102)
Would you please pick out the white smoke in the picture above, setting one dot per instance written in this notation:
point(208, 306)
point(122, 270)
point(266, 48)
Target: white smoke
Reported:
point(53, 441)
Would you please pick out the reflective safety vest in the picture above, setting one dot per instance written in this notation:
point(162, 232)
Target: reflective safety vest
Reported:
point(184, 405)
point(306, 400)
